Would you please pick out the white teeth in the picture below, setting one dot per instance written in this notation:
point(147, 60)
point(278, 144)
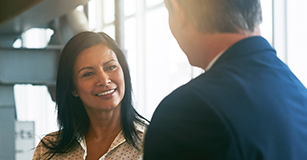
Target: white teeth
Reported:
point(106, 92)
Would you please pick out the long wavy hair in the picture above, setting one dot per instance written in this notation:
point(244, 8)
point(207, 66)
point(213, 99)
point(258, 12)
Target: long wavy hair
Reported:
point(73, 120)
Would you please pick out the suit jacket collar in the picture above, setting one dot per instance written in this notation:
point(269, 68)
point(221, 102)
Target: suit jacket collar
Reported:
point(244, 47)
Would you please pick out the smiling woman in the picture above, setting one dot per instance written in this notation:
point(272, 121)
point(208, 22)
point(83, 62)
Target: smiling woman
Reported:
point(93, 97)
point(98, 79)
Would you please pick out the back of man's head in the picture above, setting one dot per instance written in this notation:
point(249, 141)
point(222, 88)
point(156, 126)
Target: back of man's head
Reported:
point(224, 16)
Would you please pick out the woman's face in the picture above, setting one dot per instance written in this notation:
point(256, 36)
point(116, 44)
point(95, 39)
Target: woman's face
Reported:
point(98, 78)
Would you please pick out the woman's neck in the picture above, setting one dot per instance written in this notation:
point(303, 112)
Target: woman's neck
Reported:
point(103, 129)
point(104, 124)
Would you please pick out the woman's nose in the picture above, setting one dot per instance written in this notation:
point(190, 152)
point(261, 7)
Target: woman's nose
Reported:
point(103, 78)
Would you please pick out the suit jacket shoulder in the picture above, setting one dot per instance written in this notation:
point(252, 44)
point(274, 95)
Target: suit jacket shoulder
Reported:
point(249, 105)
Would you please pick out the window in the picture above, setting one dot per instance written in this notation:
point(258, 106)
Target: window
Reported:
point(266, 26)
point(156, 62)
point(295, 36)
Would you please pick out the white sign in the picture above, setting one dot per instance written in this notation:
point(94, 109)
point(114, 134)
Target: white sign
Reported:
point(24, 140)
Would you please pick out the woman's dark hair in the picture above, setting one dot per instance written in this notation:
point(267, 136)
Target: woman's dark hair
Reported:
point(73, 120)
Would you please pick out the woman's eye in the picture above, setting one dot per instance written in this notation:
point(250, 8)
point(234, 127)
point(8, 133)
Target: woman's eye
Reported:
point(111, 67)
point(87, 74)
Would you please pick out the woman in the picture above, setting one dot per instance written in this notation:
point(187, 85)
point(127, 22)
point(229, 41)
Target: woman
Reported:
point(93, 97)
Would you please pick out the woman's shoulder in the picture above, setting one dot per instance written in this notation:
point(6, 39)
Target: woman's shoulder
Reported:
point(141, 125)
point(141, 128)
point(42, 148)
point(48, 139)
point(46, 148)
point(51, 137)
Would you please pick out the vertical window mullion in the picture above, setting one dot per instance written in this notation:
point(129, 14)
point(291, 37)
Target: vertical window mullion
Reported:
point(119, 22)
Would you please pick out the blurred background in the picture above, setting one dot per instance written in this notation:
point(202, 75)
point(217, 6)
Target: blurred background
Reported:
point(33, 32)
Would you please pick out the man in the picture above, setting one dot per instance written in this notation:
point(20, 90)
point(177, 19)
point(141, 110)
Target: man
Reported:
point(247, 105)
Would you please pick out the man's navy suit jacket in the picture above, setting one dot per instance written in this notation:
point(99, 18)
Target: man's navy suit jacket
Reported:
point(248, 106)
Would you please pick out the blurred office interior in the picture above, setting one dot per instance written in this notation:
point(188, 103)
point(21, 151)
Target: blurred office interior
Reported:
point(33, 32)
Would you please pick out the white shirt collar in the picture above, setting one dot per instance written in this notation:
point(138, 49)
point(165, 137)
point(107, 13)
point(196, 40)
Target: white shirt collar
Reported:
point(214, 60)
point(120, 136)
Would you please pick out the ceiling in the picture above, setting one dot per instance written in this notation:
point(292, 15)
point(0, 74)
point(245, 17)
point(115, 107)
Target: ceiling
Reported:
point(17, 16)
point(17, 65)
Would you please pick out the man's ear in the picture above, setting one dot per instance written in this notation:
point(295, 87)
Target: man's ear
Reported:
point(168, 5)
point(74, 93)
point(179, 13)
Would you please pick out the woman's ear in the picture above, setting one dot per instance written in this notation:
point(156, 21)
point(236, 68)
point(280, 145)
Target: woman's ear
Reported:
point(74, 93)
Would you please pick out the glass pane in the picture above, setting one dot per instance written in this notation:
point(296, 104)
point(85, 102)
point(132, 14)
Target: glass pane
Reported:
point(17, 43)
point(196, 71)
point(36, 37)
point(110, 30)
point(92, 14)
point(129, 7)
point(166, 65)
point(131, 55)
point(130, 46)
point(296, 38)
point(33, 103)
point(150, 3)
point(266, 26)
point(108, 11)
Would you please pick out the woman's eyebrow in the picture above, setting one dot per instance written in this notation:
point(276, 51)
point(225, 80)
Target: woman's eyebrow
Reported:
point(105, 63)
point(89, 67)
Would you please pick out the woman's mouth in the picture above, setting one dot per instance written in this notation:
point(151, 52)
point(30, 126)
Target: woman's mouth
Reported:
point(105, 92)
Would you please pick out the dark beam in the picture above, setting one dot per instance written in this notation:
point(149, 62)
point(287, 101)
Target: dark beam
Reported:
point(12, 8)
